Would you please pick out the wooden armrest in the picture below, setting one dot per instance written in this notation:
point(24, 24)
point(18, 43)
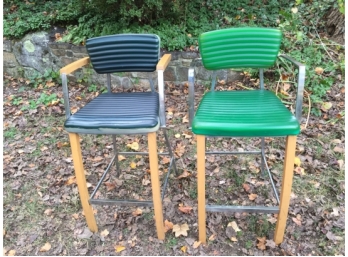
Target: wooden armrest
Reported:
point(163, 62)
point(74, 66)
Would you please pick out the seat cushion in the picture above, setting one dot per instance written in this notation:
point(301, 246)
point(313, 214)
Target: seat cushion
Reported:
point(257, 113)
point(116, 111)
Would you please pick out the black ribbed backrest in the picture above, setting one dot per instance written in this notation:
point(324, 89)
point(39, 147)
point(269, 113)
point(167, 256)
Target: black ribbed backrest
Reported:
point(124, 52)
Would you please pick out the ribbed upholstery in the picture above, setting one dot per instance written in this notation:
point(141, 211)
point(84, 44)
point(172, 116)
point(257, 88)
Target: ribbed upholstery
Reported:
point(255, 113)
point(239, 48)
point(124, 52)
point(117, 111)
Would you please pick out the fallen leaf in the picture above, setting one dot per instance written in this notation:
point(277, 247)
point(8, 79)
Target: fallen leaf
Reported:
point(177, 135)
point(180, 229)
point(294, 10)
point(46, 247)
point(13, 253)
point(270, 243)
point(298, 222)
point(300, 171)
point(75, 216)
point(98, 159)
point(104, 233)
point(338, 149)
point(119, 248)
point(165, 160)
point(110, 186)
point(212, 237)
point(184, 249)
point(333, 237)
point(340, 163)
point(85, 234)
point(71, 180)
point(326, 106)
point(297, 161)
point(196, 244)
point(272, 220)
point(167, 226)
point(319, 70)
point(252, 197)
point(121, 158)
point(234, 239)
point(185, 174)
point(134, 146)
point(48, 212)
point(137, 212)
point(286, 86)
point(133, 165)
point(145, 182)
point(246, 187)
point(185, 209)
point(185, 119)
point(335, 212)
point(261, 245)
point(234, 225)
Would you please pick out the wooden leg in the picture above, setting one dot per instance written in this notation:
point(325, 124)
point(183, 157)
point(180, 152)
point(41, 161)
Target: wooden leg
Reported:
point(286, 188)
point(81, 181)
point(155, 183)
point(201, 187)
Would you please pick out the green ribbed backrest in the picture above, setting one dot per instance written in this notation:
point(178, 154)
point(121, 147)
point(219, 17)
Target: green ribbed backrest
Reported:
point(240, 48)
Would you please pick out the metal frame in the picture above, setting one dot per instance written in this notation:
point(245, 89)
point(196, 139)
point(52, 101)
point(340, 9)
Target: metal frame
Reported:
point(298, 112)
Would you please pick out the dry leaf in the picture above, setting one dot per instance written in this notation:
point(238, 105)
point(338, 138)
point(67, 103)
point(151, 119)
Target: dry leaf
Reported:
point(71, 180)
point(119, 248)
point(338, 149)
point(104, 233)
point(165, 160)
point(12, 253)
point(286, 86)
point(298, 222)
point(121, 158)
point(300, 171)
point(185, 174)
point(246, 187)
point(294, 10)
point(134, 146)
point(145, 182)
point(185, 119)
point(75, 216)
point(46, 247)
point(110, 186)
point(270, 243)
point(212, 237)
point(48, 212)
point(196, 244)
point(297, 161)
point(184, 249)
point(98, 159)
point(177, 135)
point(185, 209)
point(261, 245)
point(180, 229)
point(340, 164)
point(234, 225)
point(167, 225)
point(133, 165)
point(252, 197)
point(319, 70)
point(234, 239)
point(272, 220)
point(326, 106)
point(137, 212)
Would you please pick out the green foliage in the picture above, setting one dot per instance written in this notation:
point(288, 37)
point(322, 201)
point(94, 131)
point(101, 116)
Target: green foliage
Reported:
point(308, 50)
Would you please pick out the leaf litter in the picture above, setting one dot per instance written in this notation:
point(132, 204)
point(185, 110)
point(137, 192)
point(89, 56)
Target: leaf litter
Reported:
point(49, 170)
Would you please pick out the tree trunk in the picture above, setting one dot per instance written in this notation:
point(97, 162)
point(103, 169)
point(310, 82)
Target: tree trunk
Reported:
point(335, 25)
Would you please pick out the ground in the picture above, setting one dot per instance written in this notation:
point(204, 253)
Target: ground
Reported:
point(43, 215)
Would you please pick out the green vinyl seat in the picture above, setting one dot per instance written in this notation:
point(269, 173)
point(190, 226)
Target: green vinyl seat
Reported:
point(246, 113)
point(257, 113)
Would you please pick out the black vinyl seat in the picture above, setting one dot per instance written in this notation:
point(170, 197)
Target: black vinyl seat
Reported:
point(127, 111)
point(121, 114)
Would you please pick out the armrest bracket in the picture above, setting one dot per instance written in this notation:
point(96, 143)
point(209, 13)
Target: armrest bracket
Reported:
point(300, 84)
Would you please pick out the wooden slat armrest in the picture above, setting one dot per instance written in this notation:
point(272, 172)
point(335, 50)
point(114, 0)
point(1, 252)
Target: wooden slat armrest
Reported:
point(163, 62)
point(74, 66)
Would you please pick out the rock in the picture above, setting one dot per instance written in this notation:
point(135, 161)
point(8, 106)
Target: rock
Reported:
point(32, 52)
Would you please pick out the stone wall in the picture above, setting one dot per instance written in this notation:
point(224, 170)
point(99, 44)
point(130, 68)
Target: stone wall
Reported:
point(36, 53)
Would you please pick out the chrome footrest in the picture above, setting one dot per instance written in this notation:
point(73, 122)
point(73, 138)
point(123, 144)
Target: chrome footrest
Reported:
point(253, 209)
point(121, 202)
